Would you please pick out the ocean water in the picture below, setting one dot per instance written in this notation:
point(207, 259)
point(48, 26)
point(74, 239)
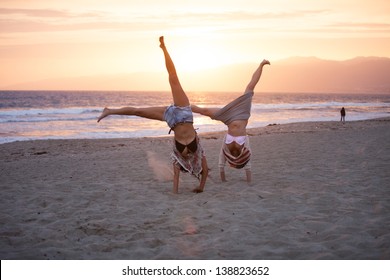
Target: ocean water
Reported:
point(33, 115)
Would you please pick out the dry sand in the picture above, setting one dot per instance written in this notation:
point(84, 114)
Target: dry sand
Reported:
point(321, 190)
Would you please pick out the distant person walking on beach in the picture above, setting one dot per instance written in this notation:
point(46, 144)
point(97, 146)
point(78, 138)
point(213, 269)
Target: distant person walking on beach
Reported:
point(188, 154)
point(235, 147)
point(342, 113)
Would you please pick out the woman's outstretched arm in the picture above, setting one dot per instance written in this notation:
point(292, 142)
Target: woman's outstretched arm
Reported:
point(176, 175)
point(203, 178)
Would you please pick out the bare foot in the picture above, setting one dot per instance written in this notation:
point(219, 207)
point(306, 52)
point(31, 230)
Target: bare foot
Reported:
point(265, 62)
point(104, 114)
point(197, 190)
point(162, 42)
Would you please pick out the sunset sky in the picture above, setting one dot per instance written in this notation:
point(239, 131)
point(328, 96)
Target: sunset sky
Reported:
point(45, 39)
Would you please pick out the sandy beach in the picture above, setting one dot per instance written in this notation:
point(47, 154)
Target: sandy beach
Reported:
point(321, 190)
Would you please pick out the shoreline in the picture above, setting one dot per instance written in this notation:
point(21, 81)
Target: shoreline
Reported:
point(319, 191)
point(251, 131)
